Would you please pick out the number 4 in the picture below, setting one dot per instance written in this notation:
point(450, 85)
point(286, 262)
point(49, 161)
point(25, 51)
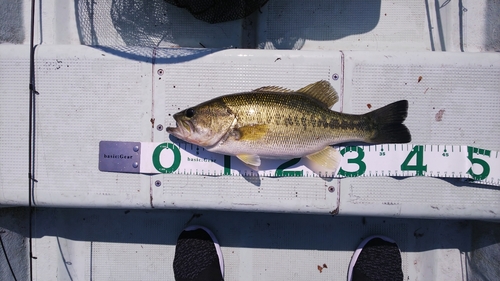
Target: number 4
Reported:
point(419, 166)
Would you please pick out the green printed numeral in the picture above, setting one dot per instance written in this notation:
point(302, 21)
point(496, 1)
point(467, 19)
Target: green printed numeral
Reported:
point(358, 161)
point(288, 164)
point(156, 158)
point(227, 165)
point(486, 168)
point(419, 167)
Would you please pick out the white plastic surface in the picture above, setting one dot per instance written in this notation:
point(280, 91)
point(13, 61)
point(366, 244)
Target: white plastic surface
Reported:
point(113, 92)
point(14, 117)
point(88, 95)
point(455, 102)
point(140, 245)
point(229, 71)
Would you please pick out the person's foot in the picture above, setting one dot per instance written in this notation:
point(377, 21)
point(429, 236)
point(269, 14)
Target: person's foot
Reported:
point(198, 256)
point(376, 258)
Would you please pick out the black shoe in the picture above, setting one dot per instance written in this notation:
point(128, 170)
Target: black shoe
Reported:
point(376, 258)
point(198, 256)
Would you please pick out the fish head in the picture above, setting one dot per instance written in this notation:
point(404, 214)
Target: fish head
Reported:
point(204, 125)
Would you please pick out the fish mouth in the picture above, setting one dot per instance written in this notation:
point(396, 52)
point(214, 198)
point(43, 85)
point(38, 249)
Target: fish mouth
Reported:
point(182, 130)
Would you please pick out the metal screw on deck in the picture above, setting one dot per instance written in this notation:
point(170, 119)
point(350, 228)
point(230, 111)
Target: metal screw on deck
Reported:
point(159, 127)
point(136, 149)
point(160, 72)
point(331, 188)
point(158, 183)
point(335, 76)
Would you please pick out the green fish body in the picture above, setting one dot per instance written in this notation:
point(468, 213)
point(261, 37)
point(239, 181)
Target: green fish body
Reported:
point(277, 123)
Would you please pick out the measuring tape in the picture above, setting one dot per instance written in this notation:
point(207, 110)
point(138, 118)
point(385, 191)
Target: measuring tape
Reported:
point(469, 163)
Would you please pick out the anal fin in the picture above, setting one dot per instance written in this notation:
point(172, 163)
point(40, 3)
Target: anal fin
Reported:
point(324, 161)
point(253, 161)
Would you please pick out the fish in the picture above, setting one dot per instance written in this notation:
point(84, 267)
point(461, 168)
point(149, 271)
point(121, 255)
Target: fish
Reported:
point(272, 122)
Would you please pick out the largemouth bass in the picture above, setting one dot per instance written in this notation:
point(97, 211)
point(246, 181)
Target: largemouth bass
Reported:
point(278, 123)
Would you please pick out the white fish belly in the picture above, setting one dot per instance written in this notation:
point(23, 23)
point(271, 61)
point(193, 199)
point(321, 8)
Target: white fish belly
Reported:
point(278, 150)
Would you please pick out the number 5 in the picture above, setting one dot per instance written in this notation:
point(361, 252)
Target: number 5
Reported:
point(486, 168)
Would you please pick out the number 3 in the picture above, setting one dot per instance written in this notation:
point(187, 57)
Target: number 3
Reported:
point(358, 160)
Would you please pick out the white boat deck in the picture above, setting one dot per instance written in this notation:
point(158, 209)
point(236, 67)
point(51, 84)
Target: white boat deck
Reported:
point(115, 70)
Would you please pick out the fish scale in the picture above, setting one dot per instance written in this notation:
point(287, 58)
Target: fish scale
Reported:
point(283, 112)
point(278, 111)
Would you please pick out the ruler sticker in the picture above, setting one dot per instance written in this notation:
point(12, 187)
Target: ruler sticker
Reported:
point(387, 160)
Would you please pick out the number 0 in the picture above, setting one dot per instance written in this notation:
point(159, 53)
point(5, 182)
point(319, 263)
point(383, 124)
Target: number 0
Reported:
point(176, 156)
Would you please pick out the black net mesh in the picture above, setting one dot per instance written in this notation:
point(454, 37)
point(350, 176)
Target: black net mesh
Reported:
point(135, 23)
point(123, 25)
point(215, 11)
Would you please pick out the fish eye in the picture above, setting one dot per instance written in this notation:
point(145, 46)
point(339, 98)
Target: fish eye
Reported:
point(189, 112)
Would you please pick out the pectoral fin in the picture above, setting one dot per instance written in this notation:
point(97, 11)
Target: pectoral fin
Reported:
point(251, 133)
point(253, 161)
point(324, 161)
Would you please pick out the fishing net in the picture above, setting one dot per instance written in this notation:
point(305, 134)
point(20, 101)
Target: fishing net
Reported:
point(123, 25)
point(215, 11)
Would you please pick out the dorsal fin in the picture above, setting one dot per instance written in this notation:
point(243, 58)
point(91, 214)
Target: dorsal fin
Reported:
point(273, 89)
point(321, 91)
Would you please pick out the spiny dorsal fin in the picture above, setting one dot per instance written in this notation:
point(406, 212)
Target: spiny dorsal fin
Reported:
point(321, 91)
point(273, 89)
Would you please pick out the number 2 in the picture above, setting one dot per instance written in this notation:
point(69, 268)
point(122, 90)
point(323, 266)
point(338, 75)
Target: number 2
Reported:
point(227, 165)
point(287, 164)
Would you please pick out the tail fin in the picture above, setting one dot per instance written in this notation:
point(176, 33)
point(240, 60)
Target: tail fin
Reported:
point(388, 120)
